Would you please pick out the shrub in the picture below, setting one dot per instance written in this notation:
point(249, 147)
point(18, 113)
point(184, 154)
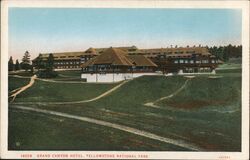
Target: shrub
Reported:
point(46, 74)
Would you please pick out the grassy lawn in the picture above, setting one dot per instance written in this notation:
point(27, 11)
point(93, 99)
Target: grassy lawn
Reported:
point(76, 74)
point(22, 73)
point(14, 83)
point(32, 131)
point(204, 91)
point(207, 112)
point(61, 92)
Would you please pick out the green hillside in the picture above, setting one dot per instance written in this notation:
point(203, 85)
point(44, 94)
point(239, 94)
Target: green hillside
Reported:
point(208, 127)
point(61, 92)
point(206, 112)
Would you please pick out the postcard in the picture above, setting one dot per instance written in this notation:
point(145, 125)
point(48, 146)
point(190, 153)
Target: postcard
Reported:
point(125, 80)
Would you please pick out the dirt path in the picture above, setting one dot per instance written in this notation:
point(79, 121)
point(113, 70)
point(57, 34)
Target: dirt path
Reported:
point(58, 81)
point(32, 81)
point(152, 104)
point(17, 76)
point(83, 101)
point(180, 143)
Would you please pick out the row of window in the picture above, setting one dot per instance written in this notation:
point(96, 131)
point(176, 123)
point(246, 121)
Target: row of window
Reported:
point(191, 70)
point(85, 59)
point(67, 56)
point(66, 62)
point(192, 61)
point(63, 67)
point(158, 53)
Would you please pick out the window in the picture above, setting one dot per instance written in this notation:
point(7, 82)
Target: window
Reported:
point(176, 61)
point(186, 61)
point(162, 56)
point(181, 61)
point(191, 61)
point(205, 61)
point(190, 51)
point(198, 62)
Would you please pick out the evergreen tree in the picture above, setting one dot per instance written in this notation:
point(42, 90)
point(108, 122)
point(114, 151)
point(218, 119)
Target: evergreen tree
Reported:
point(50, 62)
point(26, 61)
point(226, 52)
point(10, 64)
point(17, 65)
point(39, 62)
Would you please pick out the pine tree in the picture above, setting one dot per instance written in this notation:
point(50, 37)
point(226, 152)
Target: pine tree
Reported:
point(26, 61)
point(17, 65)
point(39, 62)
point(10, 64)
point(50, 62)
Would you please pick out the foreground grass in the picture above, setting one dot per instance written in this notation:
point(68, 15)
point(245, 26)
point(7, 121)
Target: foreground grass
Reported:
point(14, 83)
point(32, 131)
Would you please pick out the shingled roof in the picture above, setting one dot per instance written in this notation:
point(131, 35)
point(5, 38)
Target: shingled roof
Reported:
point(114, 56)
point(140, 60)
point(101, 50)
point(179, 50)
point(64, 55)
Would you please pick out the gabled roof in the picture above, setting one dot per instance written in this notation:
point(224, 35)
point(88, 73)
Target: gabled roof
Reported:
point(91, 51)
point(101, 50)
point(179, 50)
point(140, 60)
point(64, 55)
point(112, 56)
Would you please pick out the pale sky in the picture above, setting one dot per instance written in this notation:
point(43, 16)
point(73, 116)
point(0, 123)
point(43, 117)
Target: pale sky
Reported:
point(41, 30)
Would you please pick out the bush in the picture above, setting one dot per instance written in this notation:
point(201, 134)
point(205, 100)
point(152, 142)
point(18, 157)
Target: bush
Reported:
point(46, 74)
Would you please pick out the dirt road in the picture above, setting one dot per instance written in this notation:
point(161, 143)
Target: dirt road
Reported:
point(76, 102)
point(21, 89)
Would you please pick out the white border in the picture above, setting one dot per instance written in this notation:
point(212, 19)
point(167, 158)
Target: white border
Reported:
point(244, 5)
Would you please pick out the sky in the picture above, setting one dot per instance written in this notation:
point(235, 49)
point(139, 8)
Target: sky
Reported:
point(46, 30)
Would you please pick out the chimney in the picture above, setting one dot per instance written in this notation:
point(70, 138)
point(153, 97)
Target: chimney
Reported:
point(171, 46)
point(176, 46)
point(187, 46)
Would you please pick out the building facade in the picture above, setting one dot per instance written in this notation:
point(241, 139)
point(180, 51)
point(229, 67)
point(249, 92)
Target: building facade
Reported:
point(168, 60)
point(116, 65)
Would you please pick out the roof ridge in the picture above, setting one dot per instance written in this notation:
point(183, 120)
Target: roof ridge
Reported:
point(120, 55)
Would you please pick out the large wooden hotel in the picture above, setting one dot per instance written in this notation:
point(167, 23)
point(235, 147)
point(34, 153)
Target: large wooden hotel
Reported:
point(119, 63)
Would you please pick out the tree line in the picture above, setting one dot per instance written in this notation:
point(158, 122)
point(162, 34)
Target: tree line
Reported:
point(25, 64)
point(224, 53)
point(45, 68)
